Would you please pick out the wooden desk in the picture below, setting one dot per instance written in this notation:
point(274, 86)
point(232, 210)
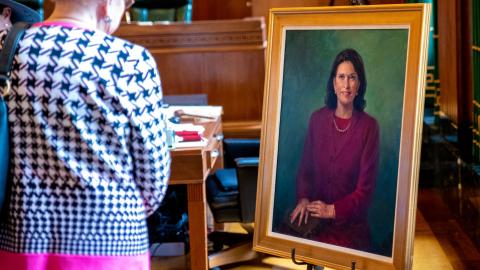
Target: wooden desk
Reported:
point(191, 166)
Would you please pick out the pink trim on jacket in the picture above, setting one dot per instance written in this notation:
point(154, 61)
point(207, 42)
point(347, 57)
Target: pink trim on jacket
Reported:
point(46, 261)
point(58, 23)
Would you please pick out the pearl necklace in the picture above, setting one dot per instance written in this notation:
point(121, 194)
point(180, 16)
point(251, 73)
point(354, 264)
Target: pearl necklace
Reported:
point(339, 129)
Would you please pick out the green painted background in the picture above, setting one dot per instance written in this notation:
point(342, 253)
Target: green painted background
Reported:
point(308, 58)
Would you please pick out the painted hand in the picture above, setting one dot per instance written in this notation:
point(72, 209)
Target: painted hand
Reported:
point(300, 212)
point(320, 209)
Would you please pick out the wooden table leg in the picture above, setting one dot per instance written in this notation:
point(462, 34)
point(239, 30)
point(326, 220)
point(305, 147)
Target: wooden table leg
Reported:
point(197, 218)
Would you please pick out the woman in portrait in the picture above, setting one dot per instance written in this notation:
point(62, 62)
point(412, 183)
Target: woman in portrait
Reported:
point(338, 168)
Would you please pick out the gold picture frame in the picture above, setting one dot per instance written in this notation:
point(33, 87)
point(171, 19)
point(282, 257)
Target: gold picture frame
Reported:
point(302, 44)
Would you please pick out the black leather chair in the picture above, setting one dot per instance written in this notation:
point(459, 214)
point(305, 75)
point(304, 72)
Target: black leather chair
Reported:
point(231, 195)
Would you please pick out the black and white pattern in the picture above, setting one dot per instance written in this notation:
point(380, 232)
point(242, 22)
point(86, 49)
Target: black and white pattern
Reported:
point(89, 155)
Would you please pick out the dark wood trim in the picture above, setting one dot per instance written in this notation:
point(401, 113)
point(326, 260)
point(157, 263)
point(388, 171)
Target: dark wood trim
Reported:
point(455, 68)
point(195, 36)
point(465, 93)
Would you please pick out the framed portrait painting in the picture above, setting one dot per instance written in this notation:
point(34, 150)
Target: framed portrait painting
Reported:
point(341, 135)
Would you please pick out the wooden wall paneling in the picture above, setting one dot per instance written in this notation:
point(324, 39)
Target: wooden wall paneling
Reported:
point(237, 9)
point(261, 8)
point(447, 57)
point(203, 9)
point(465, 95)
point(48, 6)
point(454, 57)
point(221, 9)
point(223, 59)
point(225, 86)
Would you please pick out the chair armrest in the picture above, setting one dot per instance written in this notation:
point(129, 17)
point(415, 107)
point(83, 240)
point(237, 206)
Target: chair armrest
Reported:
point(246, 162)
point(236, 148)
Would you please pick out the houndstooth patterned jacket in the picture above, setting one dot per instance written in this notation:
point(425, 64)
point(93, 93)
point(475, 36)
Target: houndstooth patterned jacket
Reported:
point(90, 161)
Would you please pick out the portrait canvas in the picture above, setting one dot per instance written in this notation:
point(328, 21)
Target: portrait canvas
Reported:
point(357, 175)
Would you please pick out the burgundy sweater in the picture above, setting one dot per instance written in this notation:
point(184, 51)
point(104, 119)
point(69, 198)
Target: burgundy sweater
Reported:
point(340, 168)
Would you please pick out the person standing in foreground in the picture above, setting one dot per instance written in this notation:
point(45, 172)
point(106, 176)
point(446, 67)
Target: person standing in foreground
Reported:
point(89, 155)
point(338, 169)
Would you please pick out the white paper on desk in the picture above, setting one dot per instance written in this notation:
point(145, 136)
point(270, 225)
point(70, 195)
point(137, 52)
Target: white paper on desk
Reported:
point(211, 111)
point(186, 127)
point(201, 143)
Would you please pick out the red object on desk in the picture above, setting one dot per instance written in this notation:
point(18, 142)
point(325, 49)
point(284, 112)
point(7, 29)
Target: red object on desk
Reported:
point(188, 136)
point(186, 133)
point(191, 138)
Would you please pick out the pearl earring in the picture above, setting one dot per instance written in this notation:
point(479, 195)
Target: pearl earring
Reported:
point(107, 19)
